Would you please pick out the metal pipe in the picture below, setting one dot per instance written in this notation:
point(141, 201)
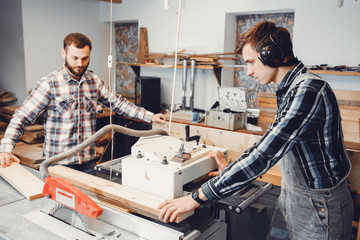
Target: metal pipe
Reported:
point(253, 197)
point(183, 94)
point(192, 78)
point(134, 133)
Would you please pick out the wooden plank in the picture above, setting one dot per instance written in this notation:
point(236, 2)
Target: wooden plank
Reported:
point(29, 153)
point(34, 127)
point(354, 175)
point(271, 176)
point(34, 134)
point(22, 180)
point(235, 142)
point(347, 95)
point(3, 125)
point(134, 200)
point(30, 140)
point(143, 45)
point(31, 165)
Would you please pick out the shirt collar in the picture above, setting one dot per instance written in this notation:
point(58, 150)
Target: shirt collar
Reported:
point(68, 77)
point(289, 78)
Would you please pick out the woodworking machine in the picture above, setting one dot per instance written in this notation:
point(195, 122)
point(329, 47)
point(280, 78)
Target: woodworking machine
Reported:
point(159, 165)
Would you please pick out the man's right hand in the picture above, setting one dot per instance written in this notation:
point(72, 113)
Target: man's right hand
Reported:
point(6, 158)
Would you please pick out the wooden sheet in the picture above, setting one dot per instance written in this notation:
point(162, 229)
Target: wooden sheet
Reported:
point(134, 200)
point(22, 180)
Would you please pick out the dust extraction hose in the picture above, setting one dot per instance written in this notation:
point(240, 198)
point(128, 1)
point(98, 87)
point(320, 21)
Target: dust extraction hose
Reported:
point(134, 133)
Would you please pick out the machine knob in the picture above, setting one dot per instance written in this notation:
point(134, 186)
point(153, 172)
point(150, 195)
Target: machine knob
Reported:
point(139, 155)
point(164, 161)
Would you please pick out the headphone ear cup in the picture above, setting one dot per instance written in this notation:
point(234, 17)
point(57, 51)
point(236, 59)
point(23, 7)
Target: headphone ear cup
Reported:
point(270, 55)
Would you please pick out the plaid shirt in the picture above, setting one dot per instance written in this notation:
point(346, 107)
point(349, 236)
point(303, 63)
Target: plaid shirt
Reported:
point(307, 127)
point(68, 108)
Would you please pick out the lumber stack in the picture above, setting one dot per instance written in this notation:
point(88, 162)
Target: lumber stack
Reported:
point(29, 149)
point(6, 97)
point(30, 155)
point(32, 134)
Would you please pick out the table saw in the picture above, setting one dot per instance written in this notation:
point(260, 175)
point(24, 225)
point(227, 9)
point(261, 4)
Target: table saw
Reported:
point(159, 166)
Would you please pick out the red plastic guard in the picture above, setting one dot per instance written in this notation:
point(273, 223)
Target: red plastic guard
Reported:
point(67, 194)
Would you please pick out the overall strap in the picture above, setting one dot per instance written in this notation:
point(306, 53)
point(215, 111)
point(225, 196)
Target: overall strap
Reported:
point(300, 78)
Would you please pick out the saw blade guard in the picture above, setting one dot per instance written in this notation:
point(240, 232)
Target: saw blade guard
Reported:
point(67, 194)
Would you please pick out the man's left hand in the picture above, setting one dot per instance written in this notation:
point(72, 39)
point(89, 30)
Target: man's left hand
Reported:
point(158, 118)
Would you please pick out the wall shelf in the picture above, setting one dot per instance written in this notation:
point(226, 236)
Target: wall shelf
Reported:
point(327, 72)
point(216, 69)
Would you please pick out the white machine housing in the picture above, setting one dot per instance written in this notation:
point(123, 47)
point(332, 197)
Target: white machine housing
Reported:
point(146, 169)
point(233, 99)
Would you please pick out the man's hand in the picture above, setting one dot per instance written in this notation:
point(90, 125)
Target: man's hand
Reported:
point(158, 118)
point(220, 161)
point(173, 208)
point(6, 158)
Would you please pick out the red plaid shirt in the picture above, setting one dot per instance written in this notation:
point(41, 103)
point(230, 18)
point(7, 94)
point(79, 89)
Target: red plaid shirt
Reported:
point(68, 108)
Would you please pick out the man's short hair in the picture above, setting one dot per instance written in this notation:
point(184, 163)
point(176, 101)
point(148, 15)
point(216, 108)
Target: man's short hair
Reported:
point(78, 39)
point(263, 32)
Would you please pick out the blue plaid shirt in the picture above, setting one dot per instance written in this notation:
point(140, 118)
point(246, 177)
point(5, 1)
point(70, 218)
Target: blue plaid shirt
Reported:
point(307, 126)
point(68, 108)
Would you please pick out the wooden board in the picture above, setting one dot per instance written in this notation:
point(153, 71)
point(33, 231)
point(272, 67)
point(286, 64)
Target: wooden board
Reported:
point(143, 45)
point(3, 125)
point(34, 127)
point(354, 175)
point(31, 153)
point(31, 140)
point(134, 200)
point(235, 142)
point(9, 109)
point(22, 180)
point(34, 134)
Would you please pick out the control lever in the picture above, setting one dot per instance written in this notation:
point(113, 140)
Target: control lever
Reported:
point(187, 133)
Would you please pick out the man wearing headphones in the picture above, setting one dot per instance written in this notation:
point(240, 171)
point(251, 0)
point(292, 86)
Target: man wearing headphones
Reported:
point(315, 201)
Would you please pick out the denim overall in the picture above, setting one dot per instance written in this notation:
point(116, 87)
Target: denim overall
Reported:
point(304, 213)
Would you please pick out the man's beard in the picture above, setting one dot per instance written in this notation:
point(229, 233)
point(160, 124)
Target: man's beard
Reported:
point(76, 73)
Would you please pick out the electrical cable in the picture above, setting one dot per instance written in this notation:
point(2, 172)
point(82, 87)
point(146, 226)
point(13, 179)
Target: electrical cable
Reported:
point(110, 88)
point(175, 64)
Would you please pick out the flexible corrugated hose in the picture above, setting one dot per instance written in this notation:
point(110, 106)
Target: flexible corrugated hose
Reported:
point(134, 133)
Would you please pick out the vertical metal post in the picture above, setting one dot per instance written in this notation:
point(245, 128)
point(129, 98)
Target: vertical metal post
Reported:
point(192, 78)
point(183, 94)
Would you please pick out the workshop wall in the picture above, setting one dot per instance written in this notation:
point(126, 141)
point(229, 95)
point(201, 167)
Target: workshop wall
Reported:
point(46, 23)
point(323, 33)
point(12, 71)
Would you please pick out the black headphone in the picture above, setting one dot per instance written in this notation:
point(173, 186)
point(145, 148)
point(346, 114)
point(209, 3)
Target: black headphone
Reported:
point(271, 53)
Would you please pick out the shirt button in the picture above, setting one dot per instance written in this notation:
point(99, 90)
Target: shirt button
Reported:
point(322, 209)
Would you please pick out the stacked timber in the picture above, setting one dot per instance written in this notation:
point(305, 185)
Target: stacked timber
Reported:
point(6, 97)
point(29, 149)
